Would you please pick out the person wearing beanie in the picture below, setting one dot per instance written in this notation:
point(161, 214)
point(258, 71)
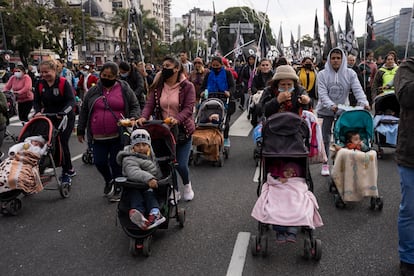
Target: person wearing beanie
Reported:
point(21, 85)
point(139, 165)
point(284, 93)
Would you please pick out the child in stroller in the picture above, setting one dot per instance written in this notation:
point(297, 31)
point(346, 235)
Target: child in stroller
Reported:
point(139, 165)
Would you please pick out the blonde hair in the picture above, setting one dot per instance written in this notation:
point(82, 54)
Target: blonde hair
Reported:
point(49, 63)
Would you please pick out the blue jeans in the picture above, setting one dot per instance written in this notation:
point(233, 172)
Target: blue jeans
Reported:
point(326, 131)
point(183, 155)
point(104, 157)
point(285, 229)
point(406, 215)
point(142, 200)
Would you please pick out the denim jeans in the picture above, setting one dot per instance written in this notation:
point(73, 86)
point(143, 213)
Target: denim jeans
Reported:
point(142, 200)
point(183, 155)
point(406, 215)
point(285, 229)
point(104, 157)
point(326, 131)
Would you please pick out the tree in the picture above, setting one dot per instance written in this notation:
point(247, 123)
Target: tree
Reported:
point(120, 22)
point(151, 31)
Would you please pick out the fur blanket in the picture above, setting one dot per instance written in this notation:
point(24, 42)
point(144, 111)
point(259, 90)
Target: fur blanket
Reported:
point(355, 174)
point(21, 171)
point(208, 141)
point(287, 204)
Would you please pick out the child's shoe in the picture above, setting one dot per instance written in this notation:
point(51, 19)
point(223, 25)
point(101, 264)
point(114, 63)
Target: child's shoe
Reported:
point(291, 237)
point(154, 220)
point(137, 218)
point(188, 193)
point(280, 237)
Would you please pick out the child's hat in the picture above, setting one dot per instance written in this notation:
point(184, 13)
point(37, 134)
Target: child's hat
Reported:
point(140, 136)
point(38, 138)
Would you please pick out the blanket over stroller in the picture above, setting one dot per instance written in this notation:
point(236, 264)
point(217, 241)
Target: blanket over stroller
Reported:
point(20, 171)
point(287, 204)
point(209, 140)
point(355, 174)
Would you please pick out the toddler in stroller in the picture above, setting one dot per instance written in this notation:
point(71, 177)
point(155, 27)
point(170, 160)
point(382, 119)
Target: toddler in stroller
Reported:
point(149, 178)
point(355, 169)
point(285, 198)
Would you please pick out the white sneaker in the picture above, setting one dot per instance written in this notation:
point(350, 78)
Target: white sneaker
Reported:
point(325, 170)
point(177, 197)
point(138, 219)
point(188, 194)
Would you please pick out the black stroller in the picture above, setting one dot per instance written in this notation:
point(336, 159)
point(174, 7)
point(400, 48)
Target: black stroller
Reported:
point(52, 159)
point(163, 144)
point(208, 136)
point(387, 113)
point(285, 139)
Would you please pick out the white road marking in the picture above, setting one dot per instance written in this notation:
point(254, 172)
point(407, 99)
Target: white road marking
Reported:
point(241, 127)
point(239, 254)
point(79, 156)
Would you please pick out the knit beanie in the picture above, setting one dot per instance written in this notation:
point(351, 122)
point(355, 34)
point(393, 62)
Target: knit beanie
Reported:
point(140, 136)
point(38, 138)
point(284, 72)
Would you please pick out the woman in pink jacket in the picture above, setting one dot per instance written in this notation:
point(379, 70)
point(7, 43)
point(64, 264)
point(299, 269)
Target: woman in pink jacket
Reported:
point(21, 85)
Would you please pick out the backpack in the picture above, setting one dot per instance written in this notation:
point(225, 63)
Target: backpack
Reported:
point(61, 86)
point(11, 105)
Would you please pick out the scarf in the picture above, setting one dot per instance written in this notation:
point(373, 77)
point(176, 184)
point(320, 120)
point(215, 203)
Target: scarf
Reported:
point(307, 79)
point(285, 106)
point(217, 83)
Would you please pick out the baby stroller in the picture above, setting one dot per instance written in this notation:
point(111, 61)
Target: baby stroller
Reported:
point(285, 139)
point(354, 174)
point(52, 159)
point(164, 147)
point(387, 113)
point(208, 140)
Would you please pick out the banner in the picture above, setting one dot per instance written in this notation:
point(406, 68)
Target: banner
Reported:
point(214, 35)
point(316, 43)
point(264, 46)
point(351, 43)
point(370, 23)
point(330, 34)
point(279, 43)
point(238, 51)
point(294, 47)
point(341, 37)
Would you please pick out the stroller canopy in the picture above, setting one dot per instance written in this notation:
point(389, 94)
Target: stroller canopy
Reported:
point(386, 102)
point(358, 120)
point(162, 140)
point(285, 134)
point(209, 107)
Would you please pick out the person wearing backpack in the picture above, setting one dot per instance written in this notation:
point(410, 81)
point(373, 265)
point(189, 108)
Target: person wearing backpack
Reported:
point(21, 85)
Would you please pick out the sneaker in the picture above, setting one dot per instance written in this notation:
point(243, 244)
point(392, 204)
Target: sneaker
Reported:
point(280, 238)
point(109, 188)
point(226, 142)
point(154, 220)
point(71, 172)
point(65, 178)
point(188, 193)
point(138, 219)
point(325, 170)
point(177, 197)
point(291, 237)
point(116, 196)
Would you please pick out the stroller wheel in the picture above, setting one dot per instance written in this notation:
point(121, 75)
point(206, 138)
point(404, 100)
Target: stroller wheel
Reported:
point(376, 202)
point(64, 189)
point(85, 158)
point(197, 160)
point(220, 162)
point(133, 250)
point(181, 217)
point(13, 206)
point(307, 248)
point(254, 245)
point(380, 203)
point(226, 152)
point(146, 246)
point(264, 245)
point(317, 249)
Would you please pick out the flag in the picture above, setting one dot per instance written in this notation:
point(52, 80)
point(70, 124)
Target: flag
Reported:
point(330, 35)
point(351, 44)
point(279, 43)
point(238, 52)
point(264, 46)
point(294, 47)
point(370, 23)
point(316, 43)
point(214, 35)
point(341, 37)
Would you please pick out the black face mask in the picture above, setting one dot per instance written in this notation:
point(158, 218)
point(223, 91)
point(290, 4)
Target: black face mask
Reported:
point(167, 73)
point(149, 72)
point(216, 70)
point(107, 82)
point(307, 66)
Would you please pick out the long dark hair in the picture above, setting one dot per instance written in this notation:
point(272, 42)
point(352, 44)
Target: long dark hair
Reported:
point(159, 79)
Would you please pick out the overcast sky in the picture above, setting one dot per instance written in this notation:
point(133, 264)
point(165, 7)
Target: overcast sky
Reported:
point(291, 13)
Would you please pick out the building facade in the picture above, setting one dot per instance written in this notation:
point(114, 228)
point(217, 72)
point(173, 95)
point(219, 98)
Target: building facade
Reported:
point(396, 29)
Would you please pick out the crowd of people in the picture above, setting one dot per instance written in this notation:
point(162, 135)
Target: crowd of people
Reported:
point(171, 91)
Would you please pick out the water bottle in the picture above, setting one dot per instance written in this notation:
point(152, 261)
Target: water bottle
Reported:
point(206, 94)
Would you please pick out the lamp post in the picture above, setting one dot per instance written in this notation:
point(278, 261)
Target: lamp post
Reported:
point(83, 32)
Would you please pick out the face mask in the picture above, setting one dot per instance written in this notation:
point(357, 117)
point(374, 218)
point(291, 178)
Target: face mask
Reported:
point(216, 70)
point(108, 82)
point(18, 74)
point(124, 75)
point(289, 90)
point(149, 72)
point(307, 66)
point(167, 73)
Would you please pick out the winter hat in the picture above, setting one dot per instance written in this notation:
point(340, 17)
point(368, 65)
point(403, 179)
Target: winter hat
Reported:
point(38, 138)
point(140, 136)
point(284, 72)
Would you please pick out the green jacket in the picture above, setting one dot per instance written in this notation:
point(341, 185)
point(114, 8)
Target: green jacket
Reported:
point(3, 109)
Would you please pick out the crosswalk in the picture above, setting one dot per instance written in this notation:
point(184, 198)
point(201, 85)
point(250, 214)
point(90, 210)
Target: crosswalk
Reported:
point(241, 127)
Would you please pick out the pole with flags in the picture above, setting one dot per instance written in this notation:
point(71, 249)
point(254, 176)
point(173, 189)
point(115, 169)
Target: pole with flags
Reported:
point(341, 37)
point(237, 45)
point(279, 43)
point(330, 34)
point(316, 43)
point(214, 35)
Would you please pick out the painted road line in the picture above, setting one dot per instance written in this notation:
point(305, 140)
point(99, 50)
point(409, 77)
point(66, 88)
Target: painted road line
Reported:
point(241, 127)
point(76, 157)
point(256, 174)
point(239, 255)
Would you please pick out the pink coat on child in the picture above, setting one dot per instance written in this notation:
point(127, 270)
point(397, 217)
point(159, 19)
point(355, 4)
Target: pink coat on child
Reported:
point(287, 204)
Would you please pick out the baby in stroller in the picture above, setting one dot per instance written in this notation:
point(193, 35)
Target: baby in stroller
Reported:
point(20, 171)
point(353, 142)
point(139, 165)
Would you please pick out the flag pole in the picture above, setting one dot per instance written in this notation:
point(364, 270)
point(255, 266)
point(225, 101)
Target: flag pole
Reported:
point(261, 34)
point(241, 46)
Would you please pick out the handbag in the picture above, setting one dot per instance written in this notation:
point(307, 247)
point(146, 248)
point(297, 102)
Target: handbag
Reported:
point(122, 131)
point(179, 134)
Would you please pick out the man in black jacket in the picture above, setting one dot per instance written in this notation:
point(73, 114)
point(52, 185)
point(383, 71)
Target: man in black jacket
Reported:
point(135, 81)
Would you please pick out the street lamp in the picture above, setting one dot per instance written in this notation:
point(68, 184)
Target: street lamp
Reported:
point(83, 32)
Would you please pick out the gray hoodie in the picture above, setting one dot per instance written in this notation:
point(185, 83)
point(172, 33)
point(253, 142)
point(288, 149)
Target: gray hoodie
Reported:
point(334, 87)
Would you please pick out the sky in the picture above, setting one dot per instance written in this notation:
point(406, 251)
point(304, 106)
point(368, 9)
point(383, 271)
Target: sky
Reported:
point(291, 13)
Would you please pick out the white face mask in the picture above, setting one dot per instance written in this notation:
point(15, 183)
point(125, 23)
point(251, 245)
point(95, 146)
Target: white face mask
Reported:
point(288, 90)
point(18, 74)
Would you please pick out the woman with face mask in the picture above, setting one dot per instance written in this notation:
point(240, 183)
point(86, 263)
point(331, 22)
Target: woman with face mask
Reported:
point(307, 78)
point(21, 85)
point(172, 97)
point(284, 93)
point(103, 106)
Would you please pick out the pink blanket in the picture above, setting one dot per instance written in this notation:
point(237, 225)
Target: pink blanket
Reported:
point(287, 204)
